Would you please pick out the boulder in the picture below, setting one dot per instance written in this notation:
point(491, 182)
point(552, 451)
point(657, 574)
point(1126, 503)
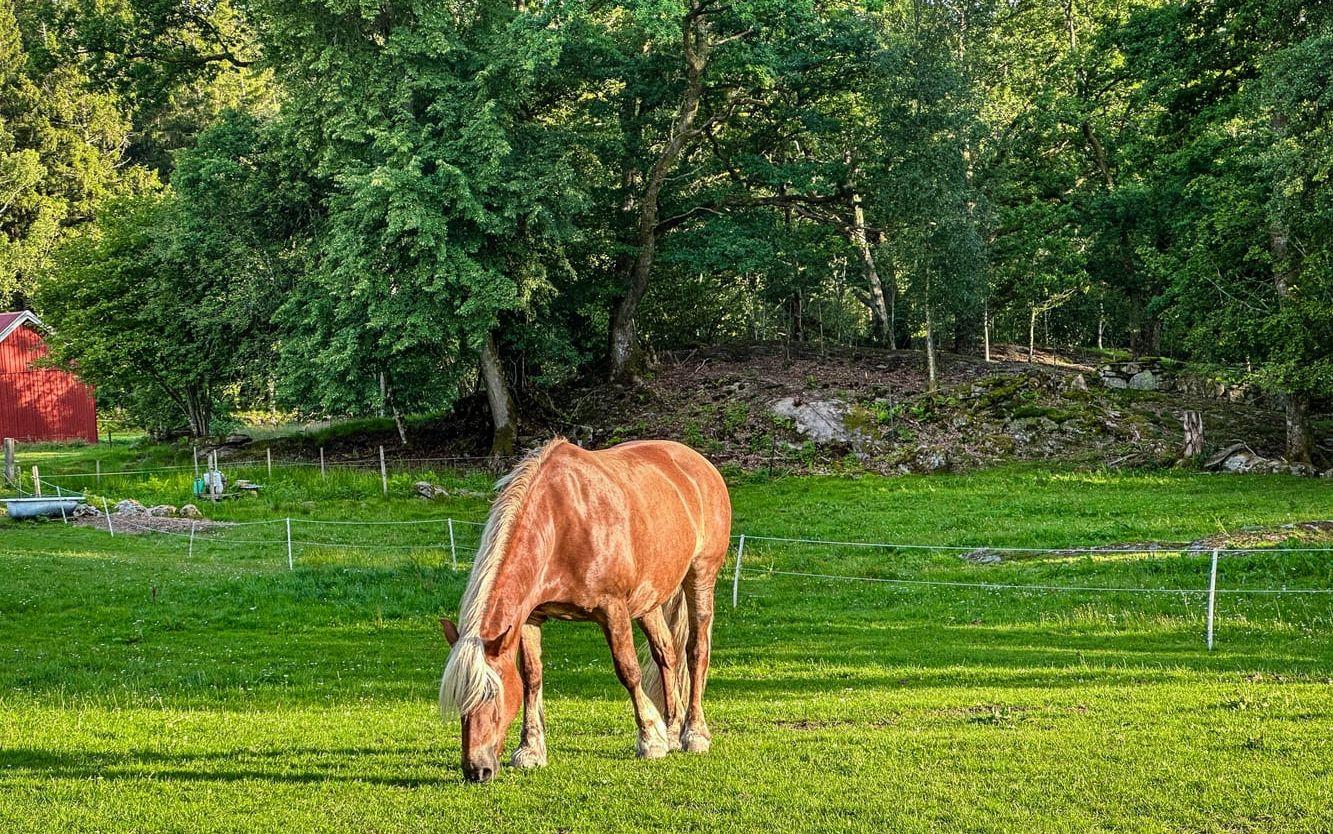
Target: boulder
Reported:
point(1242, 461)
point(162, 511)
point(128, 506)
point(1076, 383)
point(189, 511)
point(823, 421)
point(1114, 382)
point(1143, 381)
point(429, 491)
point(86, 511)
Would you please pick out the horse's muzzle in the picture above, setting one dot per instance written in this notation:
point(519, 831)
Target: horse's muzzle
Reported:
point(481, 768)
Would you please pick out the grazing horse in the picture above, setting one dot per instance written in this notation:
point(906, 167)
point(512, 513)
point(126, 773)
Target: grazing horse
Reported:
point(637, 532)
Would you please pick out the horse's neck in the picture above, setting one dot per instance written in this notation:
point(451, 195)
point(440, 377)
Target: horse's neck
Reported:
point(517, 587)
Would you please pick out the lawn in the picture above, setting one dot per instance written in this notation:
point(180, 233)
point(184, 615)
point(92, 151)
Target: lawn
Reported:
point(154, 687)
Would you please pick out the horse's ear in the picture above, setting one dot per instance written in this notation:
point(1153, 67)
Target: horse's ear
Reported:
point(450, 630)
point(493, 644)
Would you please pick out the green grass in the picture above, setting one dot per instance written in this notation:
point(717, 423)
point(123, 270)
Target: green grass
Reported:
point(145, 689)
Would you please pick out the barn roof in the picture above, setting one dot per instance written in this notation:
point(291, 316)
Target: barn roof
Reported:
point(9, 322)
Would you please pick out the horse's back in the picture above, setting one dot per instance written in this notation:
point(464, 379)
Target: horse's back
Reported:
point(648, 511)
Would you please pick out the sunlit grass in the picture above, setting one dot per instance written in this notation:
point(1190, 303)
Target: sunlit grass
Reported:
point(148, 687)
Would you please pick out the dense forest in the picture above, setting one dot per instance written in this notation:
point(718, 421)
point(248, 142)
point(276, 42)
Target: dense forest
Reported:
point(343, 207)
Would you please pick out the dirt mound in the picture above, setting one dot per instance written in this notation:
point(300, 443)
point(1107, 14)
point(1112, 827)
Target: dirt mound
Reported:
point(801, 409)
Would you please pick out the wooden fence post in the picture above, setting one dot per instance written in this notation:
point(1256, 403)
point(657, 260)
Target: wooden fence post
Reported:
point(323, 472)
point(384, 473)
point(10, 467)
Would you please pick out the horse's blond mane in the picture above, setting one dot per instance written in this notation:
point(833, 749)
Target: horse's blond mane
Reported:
point(468, 680)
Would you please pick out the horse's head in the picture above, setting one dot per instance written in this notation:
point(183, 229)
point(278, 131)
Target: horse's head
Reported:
point(482, 684)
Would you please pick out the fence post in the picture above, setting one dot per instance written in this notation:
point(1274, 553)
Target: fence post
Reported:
point(291, 565)
point(384, 474)
point(453, 551)
point(106, 511)
point(268, 456)
point(736, 577)
point(191, 554)
point(98, 464)
point(36, 482)
point(195, 450)
point(10, 467)
point(323, 472)
point(1212, 598)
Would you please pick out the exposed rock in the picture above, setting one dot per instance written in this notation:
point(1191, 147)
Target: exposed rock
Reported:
point(429, 491)
point(1114, 382)
point(1242, 461)
point(932, 460)
point(1218, 457)
point(189, 511)
point(1143, 381)
point(128, 506)
point(86, 511)
point(1077, 382)
point(162, 511)
point(238, 440)
point(982, 557)
point(823, 421)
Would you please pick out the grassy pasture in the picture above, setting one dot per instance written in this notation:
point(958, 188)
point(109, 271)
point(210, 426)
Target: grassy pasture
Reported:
point(145, 689)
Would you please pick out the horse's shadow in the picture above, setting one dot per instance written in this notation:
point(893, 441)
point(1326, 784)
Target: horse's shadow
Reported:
point(245, 765)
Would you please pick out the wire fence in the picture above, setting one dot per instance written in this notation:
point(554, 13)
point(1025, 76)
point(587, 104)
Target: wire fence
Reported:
point(339, 542)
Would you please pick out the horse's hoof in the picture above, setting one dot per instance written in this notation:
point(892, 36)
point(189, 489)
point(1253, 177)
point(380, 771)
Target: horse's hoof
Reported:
point(653, 750)
point(653, 745)
point(674, 743)
point(526, 758)
point(692, 742)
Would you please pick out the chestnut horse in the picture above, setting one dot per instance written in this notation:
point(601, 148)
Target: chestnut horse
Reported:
point(637, 532)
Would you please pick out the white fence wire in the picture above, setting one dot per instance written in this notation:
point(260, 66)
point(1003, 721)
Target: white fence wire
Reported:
point(292, 542)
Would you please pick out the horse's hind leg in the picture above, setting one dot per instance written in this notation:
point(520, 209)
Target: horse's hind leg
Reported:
point(531, 750)
point(615, 622)
point(663, 650)
point(695, 737)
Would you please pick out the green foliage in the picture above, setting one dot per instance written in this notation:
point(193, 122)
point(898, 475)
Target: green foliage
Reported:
point(373, 191)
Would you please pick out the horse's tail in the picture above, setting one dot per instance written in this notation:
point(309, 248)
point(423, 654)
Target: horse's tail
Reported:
point(678, 620)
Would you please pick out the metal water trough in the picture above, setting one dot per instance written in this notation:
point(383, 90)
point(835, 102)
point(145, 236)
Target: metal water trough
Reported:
point(46, 505)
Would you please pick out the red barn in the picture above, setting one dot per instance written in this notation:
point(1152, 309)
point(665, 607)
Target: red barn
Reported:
point(38, 403)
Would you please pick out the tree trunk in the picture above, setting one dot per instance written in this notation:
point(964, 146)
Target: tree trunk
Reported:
point(1032, 335)
point(985, 328)
point(930, 343)
point(624, 340)
point(198, 411)
point(1299, 442)
point(856, 234)
point(1193, 423)
point(1286, 268)
point(497, 395)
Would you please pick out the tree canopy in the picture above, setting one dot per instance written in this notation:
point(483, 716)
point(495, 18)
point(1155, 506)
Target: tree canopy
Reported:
point(347, 207)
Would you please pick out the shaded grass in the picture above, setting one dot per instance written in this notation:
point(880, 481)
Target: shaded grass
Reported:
point(145, 689)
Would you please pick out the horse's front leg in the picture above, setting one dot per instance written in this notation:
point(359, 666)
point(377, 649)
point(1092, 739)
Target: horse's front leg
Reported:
point(615, 622)
point(531, 750)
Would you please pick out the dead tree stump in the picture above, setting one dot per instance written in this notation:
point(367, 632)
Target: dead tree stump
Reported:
point(1193, 423)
